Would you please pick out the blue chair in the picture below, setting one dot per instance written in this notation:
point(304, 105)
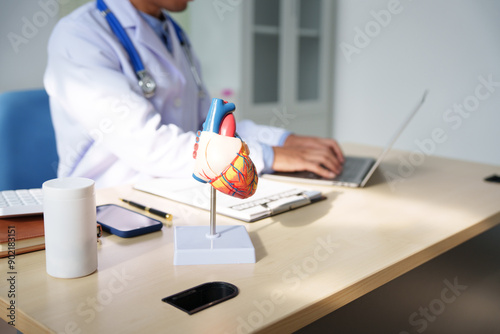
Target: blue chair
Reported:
point(28, 155)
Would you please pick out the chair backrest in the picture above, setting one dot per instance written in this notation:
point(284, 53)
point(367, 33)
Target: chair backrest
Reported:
point(28, 155)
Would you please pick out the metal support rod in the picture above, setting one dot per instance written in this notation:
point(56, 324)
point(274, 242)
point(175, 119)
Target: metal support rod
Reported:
point(213, 195)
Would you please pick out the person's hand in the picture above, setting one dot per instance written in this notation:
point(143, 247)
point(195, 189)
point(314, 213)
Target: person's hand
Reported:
point(322, 156)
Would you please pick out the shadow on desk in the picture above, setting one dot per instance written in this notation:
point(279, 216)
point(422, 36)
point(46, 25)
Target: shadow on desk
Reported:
point(122, 252)
point(458, 292)
point(392, 173)
point(290, 219)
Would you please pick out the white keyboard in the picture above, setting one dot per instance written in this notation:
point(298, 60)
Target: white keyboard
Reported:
point(21, 202)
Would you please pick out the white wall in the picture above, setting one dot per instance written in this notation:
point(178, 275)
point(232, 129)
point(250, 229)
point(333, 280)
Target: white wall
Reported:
point(215, 33)
point(25, 27)
point(443, 45)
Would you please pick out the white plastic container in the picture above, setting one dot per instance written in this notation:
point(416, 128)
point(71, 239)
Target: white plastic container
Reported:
point(69, 214)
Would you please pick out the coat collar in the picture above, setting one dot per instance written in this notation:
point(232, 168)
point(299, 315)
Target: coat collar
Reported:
point(135, 25)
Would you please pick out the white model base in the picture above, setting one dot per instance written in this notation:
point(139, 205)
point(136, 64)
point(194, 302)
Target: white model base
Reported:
point(194, 245)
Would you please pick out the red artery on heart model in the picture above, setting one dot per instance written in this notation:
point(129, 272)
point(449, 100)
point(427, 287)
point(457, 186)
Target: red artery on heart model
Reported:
point(222, 158)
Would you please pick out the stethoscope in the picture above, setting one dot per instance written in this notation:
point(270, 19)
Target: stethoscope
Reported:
point(145, 80)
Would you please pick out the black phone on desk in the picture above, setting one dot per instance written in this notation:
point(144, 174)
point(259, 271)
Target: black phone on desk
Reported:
point(125, 223)
point(493, 178)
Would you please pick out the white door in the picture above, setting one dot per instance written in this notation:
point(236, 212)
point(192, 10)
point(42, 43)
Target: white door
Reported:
point(287, 64)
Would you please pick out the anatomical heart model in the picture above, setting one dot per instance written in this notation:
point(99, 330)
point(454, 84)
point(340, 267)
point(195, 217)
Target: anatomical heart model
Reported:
point(222, 157)
point(221, 160)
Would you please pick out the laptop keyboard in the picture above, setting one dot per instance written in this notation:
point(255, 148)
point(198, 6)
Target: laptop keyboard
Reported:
point(21, 202)
point(354, 169)
point(351, 169)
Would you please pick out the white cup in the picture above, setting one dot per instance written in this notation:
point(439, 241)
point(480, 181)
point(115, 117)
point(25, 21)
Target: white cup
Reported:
point(69, 214)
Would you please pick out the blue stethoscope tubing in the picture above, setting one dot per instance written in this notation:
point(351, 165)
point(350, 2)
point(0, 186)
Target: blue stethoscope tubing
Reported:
point(121, 35)
point(146, 81)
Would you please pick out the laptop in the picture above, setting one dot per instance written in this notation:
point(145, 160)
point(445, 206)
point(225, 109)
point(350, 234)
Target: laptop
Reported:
point(271, 197)
point(356, 171)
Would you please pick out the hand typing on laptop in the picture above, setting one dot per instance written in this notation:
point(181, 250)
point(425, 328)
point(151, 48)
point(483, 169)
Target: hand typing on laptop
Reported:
point(321, 156)
point(355, 170)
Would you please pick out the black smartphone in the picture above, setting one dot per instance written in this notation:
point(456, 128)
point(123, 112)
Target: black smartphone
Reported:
point(125, 223)
point(202, 296)
point(493, 178)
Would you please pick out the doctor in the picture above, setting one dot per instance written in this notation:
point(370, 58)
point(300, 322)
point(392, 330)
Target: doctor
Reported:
point(127, 97)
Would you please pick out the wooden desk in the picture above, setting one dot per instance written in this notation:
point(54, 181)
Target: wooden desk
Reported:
point(310, 262)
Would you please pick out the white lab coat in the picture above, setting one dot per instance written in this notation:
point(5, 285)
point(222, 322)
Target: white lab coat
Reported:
point(105, 128)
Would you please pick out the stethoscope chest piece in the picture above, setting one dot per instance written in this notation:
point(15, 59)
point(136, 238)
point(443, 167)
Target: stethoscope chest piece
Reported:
point(147, 83)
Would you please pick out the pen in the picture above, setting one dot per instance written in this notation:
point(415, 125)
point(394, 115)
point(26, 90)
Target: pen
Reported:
point(165, 215)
